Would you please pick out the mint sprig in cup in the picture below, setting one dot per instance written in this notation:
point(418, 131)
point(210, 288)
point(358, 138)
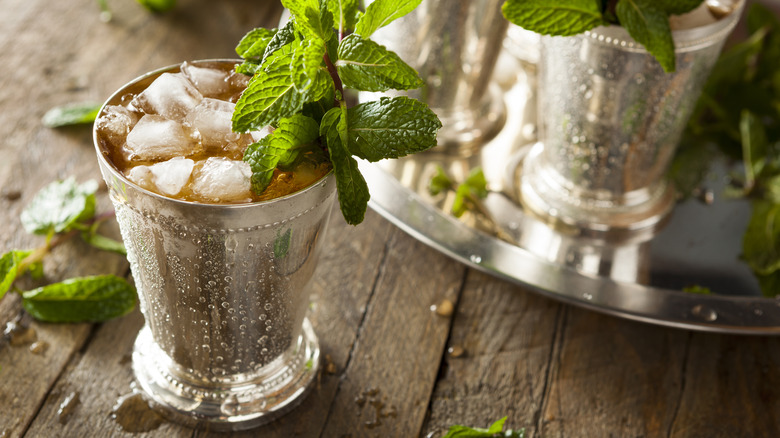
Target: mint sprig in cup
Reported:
point(300, 74)
point(647, 21)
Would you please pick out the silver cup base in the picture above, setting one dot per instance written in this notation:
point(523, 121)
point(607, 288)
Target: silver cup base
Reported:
point(619, 218)
point(234, 403)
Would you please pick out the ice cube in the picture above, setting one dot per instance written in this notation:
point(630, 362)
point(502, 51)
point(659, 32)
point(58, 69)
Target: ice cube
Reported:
point(171, 95)
point(166, 178)
point(211, 118)
point(115, 123)
point(210, 82)
point(155, 138)
point(259, 135)
point(222, 180)
point(142, 176)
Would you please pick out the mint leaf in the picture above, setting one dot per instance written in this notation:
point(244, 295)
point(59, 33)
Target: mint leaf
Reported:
point(253, 44)
point(761, 242)
point(310, 19)
point(59, 206)
point(9, 268)
point(102, 242)
point(563, 17)
point(352, 188)
point(440, 182)
point(158, 6)
point(73, 114)
point(494, 431)
point(770, 284)
point(345, 14)
point(383, 12)
point(754, 147)
point(649, 26)
point(697, 289)
point(677, 7)
point(391, 128)
point(296, 132)
point(271, 94)
point(284, 36)
point(82, 299)
point(306, 61)
point(467, 193)
point(368, 66)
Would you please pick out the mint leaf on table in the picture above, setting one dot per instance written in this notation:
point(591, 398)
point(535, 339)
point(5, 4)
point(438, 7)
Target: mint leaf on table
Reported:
point(495, 430)
point(85, 299)
point(391, 128)
point(158, 5)
point(271, 94)
point(102, 242)
point(678, 7)
point(563, 17)
point(365, 65)
point(381, 13)
point(9, 269)
point(649, 26)
point(294, 133)
point(59, 206)
point(345, 14)
point(72, 114)
point(350, 184)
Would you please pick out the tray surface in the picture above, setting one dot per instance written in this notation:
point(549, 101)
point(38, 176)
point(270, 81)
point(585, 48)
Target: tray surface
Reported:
point(640, 279)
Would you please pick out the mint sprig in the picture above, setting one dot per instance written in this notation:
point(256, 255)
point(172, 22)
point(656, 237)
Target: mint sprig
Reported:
point(496, 430)
point(647, 21)
point(298, 87)
point(60, 211)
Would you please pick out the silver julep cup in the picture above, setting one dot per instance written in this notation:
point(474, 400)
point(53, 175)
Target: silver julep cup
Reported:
point(224, 290)
point(454, 46)
point(610, 121)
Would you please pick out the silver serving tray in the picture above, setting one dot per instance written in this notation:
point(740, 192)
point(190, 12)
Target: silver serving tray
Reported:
point(636, 278)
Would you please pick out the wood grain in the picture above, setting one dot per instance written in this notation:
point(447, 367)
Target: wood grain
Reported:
point(393, 366)
point(506, 337)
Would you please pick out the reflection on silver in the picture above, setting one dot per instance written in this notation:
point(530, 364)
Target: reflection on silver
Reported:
point(634, 278)
point(610, 121)
point(454, 45)
point(224, 291)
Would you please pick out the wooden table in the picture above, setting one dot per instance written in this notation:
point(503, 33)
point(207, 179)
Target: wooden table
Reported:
point(392, 367)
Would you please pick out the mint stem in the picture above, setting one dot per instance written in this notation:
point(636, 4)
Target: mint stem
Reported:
point(336, 79)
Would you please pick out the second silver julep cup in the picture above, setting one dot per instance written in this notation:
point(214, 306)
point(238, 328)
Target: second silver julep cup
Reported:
point(224, 290)
point(454, 46)
point(610, 121)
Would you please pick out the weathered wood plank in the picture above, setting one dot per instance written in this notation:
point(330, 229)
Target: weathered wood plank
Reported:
point(55, 53)
point(500, 347)
point(347, 272)
point(98, 377)
point(612, 377)
point(731, 388)
point(393, 366)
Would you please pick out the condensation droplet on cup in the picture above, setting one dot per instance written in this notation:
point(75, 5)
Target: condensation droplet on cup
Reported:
point(475, 258)
point(587, 296)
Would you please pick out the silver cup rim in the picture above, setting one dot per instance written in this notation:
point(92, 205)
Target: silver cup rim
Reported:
point(117, 174)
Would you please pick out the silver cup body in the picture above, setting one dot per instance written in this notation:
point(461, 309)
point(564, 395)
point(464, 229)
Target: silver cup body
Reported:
point(610, 120)
point(223, 290)
point(454, 46)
